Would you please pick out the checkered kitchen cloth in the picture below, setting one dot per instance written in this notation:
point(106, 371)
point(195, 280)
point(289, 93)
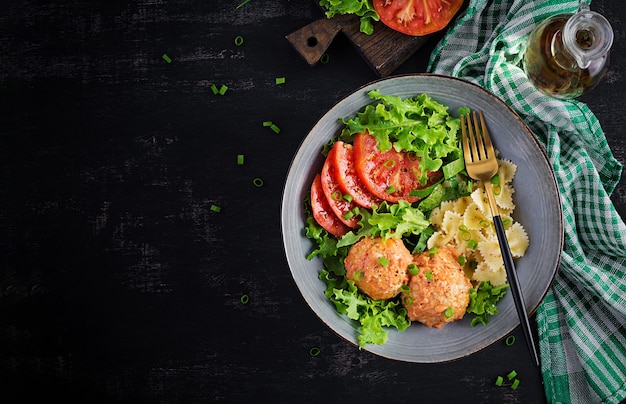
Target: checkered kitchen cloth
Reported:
point(582, 321)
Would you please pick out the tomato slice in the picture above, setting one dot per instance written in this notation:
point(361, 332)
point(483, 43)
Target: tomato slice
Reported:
point(417, 17)
point(347, 179)
point(334, 195)
point(322, 213)
point(389, 175)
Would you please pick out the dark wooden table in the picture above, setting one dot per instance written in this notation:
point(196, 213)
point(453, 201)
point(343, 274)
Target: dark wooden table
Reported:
point(118, 283)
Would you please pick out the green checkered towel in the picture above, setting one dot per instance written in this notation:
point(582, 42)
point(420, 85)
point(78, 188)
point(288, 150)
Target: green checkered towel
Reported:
point(582, 321)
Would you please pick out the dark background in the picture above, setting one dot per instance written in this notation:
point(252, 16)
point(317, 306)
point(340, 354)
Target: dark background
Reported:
point(117, 281)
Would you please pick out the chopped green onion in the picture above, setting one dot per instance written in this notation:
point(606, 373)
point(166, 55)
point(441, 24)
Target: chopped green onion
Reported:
point(336, 195)
point(484, 223)
point(389, 163)
point(383, 261)
point(413, 269)
point(408, 300)
point(240, 159)
point(466, 236)
point(244, 299)
point(497, 190)
point(214, 89)
point(472, 244)
point(348, 215)
point(449, 312)
point(238, 40)
point(515, 384)
point(432, 252)
point(358, 275)
point(473, 264)
point(243, 3)
point(280, 80)
point(223, 89)
point(461, 260)
point(215, 208)
point(315, 351)
point(405, 289)
point(429, 275)
point(495, 180)
point(511, 375)
point(347, 198)
point(325, 58)
point(499, 381)
point(257, 182)
point(506, 222)
point(272, 126)
point(463, 228)
point(390, 189)
point(510, 340)
point(166, 58)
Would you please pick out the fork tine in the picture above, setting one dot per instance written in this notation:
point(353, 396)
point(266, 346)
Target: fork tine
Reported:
point(479, 147)
point(488, 145)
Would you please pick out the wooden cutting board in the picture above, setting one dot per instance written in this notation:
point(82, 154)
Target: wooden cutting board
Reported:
point(384, 50)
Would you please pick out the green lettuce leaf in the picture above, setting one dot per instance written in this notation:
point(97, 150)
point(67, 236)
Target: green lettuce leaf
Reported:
point(364, 9)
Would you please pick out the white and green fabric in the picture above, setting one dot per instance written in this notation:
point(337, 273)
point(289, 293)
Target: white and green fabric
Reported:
point(582, 320)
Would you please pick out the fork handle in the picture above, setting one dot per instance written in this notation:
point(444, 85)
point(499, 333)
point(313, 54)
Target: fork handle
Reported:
point(516, 290)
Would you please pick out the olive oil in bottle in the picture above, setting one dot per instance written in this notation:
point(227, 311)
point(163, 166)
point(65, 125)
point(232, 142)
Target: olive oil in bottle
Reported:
point(567, 54)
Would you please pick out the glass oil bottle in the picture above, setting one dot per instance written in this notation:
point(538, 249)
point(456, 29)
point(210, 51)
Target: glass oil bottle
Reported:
point(567, 54)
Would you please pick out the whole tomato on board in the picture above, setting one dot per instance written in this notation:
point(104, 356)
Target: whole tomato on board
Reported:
point(417, 17)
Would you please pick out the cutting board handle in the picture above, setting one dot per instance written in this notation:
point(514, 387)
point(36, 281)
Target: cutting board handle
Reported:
point(312, 40)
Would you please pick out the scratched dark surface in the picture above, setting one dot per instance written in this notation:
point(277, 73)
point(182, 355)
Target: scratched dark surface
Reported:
point(117, 281)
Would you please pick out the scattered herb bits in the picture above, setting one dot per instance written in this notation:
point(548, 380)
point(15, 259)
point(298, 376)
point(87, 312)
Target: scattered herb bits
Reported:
point(216, 209)
point(219, 91)
point(258, 182)
point(244, 299)
point(315, 351)
point(238, 40)
point(243, 3)
point(240, 159)
point(166, 58)
point(272, 126)
point(280, 80)
point(512, 377)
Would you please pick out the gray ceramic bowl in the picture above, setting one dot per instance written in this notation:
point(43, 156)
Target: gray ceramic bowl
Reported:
point(538, 209)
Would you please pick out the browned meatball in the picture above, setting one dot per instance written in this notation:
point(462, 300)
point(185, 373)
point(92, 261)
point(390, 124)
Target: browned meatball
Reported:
point(379, 268)
point(439, 292)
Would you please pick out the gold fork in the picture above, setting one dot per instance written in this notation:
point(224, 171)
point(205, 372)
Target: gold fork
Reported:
point(481, 164)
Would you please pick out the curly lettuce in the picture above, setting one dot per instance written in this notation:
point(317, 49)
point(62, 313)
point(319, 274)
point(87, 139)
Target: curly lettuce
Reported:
point(364, 9)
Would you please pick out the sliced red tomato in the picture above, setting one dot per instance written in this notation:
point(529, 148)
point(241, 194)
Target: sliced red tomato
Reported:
point(417, 17)
point(334, 195)
point(322, 213)
point(389, 175)
point(347, 179)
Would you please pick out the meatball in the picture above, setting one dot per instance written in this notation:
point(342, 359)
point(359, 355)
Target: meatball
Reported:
point(379, 268)
point(439, 292)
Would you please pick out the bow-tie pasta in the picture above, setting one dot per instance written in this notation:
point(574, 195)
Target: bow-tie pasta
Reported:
point(466, 224)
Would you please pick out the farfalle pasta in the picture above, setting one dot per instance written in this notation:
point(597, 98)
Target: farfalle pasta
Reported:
point(465, 224)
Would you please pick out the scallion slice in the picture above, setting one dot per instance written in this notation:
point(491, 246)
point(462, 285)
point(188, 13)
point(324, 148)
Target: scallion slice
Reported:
point(258, 182)
point(510, 340)
point(166, 58)
point(280, 80)
point(238, 40)
point(215, 208)
point(383, 261)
